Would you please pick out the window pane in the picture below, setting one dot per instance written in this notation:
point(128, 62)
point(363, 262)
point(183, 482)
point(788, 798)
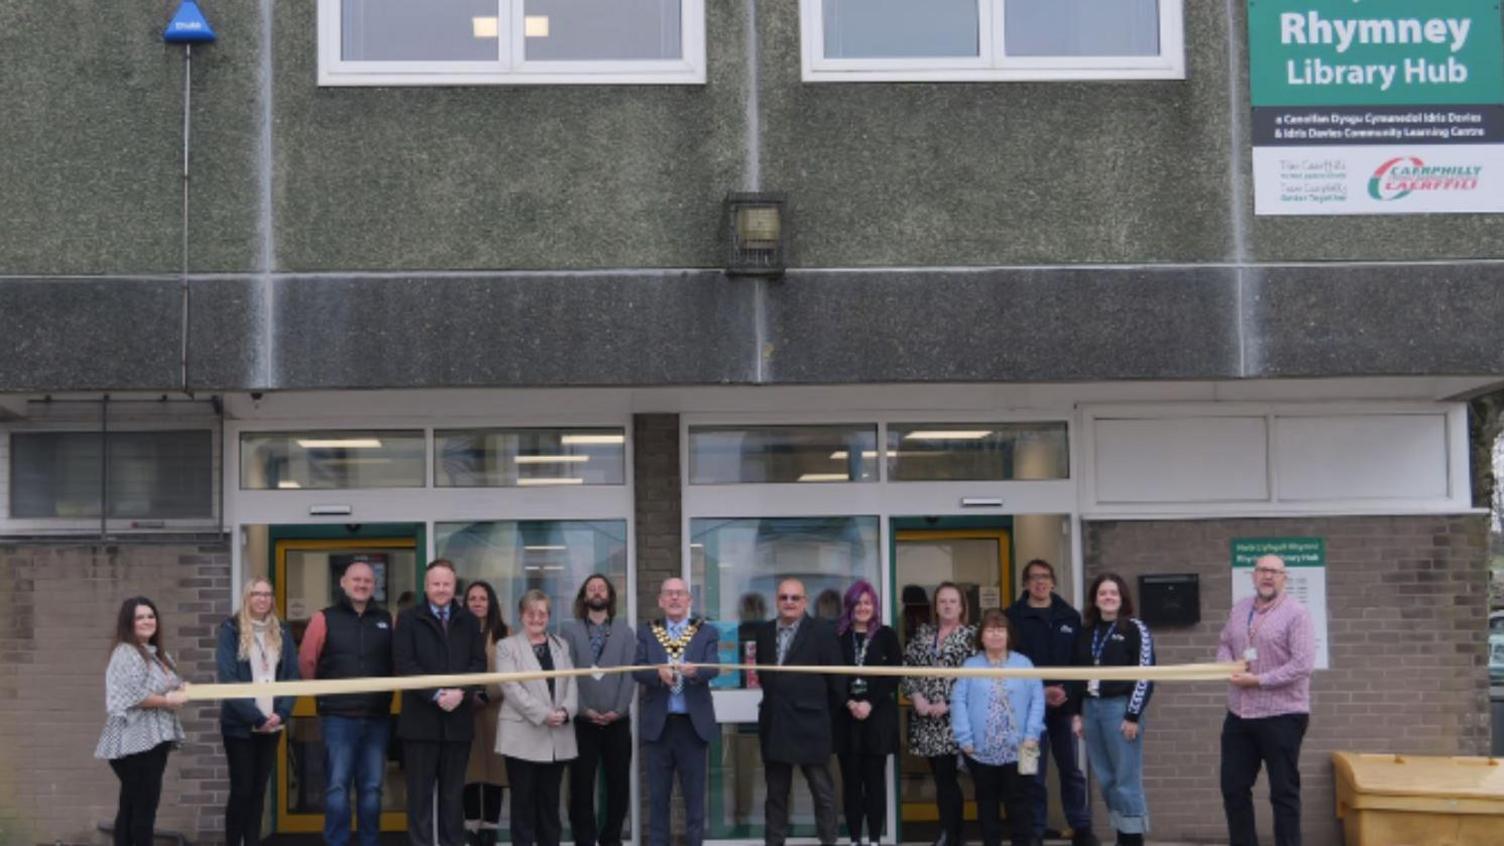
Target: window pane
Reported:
point(153, 475)
point(405, 30)
point(554, 556)
point(324, 460)
point(735, 567)
point(471, 458)
point(1081, 27)
point(595, 30)
point(890, 29)
point(950, 452)
point(723, 456)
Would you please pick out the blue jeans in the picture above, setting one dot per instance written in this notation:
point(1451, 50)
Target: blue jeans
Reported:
point(1059, 742)
point(354, 749)
point(1117, 764)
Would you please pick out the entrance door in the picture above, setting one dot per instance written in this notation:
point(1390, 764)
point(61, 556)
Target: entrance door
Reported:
point(307, 562)
point(977, 559)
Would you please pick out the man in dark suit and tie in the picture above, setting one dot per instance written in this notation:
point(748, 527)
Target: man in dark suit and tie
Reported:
point(676, 717)
point(795, 717)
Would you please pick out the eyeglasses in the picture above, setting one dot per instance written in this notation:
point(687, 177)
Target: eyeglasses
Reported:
point(674, 593)
point(1268, 571)
point(790, 597)
point(1041, 577)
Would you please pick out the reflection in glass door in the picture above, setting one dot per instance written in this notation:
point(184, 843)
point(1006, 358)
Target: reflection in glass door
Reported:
point(979, 561)
point(307, 570)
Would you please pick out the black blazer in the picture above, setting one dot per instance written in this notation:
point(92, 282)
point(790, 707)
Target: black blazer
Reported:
point(421, 646)
point(795, 718)
point(878, 734)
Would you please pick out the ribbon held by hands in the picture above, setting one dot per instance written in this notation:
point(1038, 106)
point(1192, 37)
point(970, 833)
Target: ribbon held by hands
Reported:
point(325, 687)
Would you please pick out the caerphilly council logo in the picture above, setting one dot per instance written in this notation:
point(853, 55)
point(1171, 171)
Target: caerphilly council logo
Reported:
point(1402, 176)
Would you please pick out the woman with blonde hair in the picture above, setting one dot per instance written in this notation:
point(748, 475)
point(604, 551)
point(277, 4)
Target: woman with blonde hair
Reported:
point(253, 646)
point(534, 734)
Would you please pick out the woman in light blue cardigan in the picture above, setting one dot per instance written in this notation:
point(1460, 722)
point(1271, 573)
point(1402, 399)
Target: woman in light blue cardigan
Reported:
point(992, 719)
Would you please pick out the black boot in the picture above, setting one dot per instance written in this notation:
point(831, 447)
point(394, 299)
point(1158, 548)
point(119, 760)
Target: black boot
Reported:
point(487, 837)
point(1126, 839)
point(1084, 837)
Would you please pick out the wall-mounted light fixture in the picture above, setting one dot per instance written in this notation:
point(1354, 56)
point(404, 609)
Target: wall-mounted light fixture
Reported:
point(759, 234)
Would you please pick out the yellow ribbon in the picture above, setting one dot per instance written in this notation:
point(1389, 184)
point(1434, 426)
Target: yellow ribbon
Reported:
point(324, 687)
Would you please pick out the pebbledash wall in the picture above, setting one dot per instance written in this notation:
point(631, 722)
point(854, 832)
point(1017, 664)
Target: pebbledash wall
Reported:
point(58, 604)
point(1404, 597)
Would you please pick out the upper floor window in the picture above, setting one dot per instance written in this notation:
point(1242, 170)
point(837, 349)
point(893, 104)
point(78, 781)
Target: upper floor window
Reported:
point(991, 40)
point(511, 42)
point(150, 477)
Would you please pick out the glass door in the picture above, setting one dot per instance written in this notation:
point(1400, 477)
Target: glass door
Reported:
point(977, 559)
point(307, 564)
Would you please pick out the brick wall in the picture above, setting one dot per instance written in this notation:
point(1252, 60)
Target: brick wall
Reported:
point(1407, 603)
point(58, 605)
point(655, 470)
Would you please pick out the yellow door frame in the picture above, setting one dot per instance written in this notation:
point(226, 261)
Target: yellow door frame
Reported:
point(926, 811)
point(304, 707)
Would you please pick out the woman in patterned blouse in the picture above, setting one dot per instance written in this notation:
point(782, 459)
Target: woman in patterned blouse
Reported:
point(142, 693)
point(946, 642)
point(993, 720)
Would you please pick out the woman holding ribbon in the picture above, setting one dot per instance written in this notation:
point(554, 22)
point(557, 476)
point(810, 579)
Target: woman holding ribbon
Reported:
point(253, 646)
point(866, 729)
point(997, 723)
point(946, 642)
point(533, 732)
point(485, 775)
point(142, 693)
point(1109, 714)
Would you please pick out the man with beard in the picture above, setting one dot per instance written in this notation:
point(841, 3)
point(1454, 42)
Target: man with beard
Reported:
point(1268, 705)
point(603, 728)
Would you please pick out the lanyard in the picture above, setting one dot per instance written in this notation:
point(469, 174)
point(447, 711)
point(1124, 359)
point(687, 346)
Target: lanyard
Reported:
point(1097, 646)
point(1253, 610)
point(861, 654)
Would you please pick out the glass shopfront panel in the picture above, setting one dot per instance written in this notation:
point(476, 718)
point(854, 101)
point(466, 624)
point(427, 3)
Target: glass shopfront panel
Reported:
point(950, 452)
point(734, 455)
point(330, 460)
point(475, 458)
point(735, 566)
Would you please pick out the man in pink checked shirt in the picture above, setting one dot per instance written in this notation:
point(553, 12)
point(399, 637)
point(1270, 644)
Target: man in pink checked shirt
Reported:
point(1268, 706)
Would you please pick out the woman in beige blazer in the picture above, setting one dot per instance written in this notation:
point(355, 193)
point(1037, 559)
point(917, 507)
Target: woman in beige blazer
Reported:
point(534, 734)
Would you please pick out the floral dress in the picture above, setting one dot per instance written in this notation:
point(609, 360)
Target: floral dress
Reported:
point(931, 737)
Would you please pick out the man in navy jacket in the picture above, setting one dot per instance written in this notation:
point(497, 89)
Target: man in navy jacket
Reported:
point(1047, 627)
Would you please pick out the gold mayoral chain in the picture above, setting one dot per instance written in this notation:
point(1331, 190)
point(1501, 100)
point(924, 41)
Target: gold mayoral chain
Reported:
point(675, 646)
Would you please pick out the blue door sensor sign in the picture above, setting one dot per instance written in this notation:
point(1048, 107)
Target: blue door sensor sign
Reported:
point(188, 26)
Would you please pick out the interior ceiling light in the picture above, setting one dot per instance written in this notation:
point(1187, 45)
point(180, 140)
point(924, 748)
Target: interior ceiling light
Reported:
point(842, 455)
point(567, 480)
point(339, 443)
point(485, 27)
point(551, 459)
point(581, 439)
point(288, 485)
point(535, 26)
point(947, 435)
point(825, 477)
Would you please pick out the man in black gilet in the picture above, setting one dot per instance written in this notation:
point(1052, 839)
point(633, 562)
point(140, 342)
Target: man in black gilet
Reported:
point(352, 639)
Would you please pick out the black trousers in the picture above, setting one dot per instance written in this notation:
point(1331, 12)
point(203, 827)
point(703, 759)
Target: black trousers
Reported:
point(864, 789)
point(483, 802)
point(948, 799)
point(607, 749)
point(250, 760)
point(998, 787)
point(535, 801)
point(435, 767)
point(678, 752)
point(822, 790)
point(140, 791)
point(1274, 743)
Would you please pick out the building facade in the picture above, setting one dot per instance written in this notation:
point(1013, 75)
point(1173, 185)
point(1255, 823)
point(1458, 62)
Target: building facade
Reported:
point(459, 279)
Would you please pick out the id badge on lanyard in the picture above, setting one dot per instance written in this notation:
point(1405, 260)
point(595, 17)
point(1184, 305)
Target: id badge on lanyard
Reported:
point(1094, 686)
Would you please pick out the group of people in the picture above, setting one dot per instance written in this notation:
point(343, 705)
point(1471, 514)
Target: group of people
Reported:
point(461, 746)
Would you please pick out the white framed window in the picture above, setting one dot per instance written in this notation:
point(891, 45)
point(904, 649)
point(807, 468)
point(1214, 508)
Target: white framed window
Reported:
point(511, 42)
point(991, 40)
point(134, 477)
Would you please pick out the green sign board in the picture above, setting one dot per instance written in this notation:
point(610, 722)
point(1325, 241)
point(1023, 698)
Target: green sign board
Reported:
point(1375, 52)
point(1297, 552)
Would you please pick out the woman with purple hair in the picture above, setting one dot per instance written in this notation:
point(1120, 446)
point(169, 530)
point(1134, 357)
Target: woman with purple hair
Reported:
point(866, 729)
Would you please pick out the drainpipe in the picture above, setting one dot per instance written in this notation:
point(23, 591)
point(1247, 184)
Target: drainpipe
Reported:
point(187, 27)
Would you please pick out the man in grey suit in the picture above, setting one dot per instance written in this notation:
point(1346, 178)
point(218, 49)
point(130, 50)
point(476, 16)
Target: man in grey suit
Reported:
point(677, 720)
point(794, 717)
point(603, 728)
